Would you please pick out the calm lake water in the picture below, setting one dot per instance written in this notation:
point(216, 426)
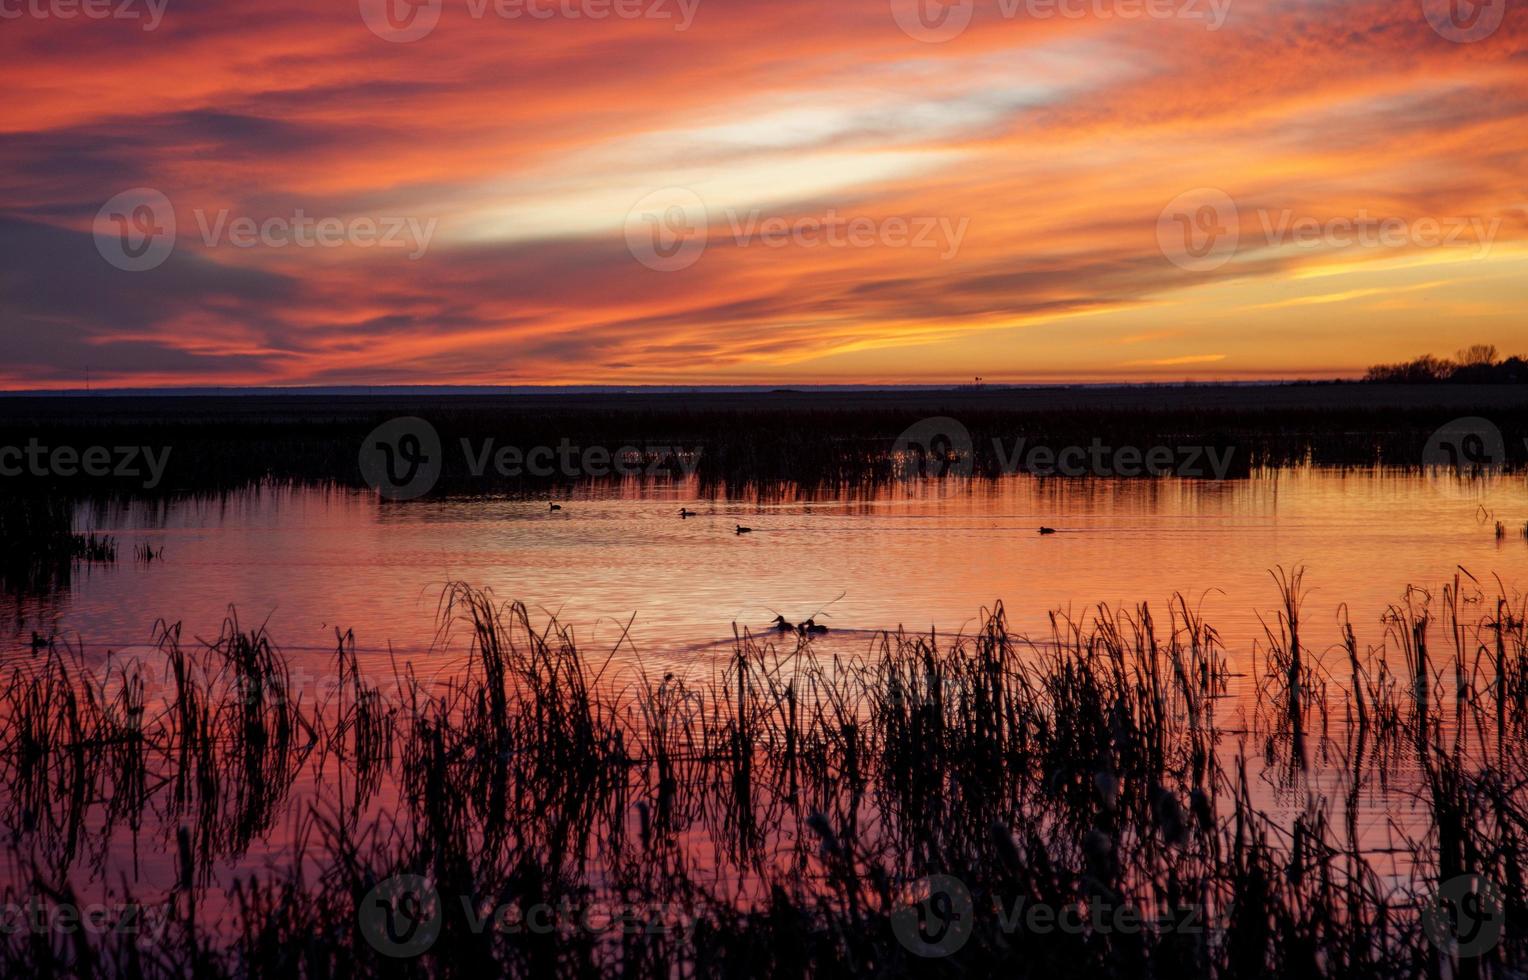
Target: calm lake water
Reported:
point(932, 555)
point(918, 556)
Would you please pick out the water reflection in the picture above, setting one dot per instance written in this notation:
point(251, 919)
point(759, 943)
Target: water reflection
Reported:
point(928, 554)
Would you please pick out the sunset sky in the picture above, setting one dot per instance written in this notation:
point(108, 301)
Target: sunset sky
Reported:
point(1044, 161)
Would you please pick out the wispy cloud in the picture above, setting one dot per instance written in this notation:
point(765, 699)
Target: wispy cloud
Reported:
point(1175, 361)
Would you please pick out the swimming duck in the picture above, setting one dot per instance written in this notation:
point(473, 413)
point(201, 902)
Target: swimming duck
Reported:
point(780, 624)
point(686, 513)
point(38, 643)
point(744, 530)
point(810, 628)
point(554, 506)
point(1047, 530)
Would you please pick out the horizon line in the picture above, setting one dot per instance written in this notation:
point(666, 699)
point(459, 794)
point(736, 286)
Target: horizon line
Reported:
point(593, 389)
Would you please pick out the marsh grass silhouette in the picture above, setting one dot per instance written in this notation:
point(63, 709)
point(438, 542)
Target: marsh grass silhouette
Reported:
point(782, 808)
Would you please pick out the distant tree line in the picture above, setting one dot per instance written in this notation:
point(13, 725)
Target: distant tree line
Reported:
point(1477, 364)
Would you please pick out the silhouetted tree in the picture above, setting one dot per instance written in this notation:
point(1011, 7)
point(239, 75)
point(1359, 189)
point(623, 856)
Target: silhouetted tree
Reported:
point(1423, 370)
point(1477, 355)
point(1476, 364)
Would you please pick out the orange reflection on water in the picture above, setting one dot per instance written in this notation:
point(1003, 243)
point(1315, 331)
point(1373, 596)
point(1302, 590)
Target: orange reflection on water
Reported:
point(927, 555)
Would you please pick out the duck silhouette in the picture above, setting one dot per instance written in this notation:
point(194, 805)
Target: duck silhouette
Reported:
point(781, 624)
point(38, 642)
point(744, 530)
point(810, 628)
point(1047, 530)
point(686, 513)
point(554, 506)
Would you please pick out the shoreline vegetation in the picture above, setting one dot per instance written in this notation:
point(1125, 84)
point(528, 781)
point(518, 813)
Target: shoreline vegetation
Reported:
point(1477, 364)
point(747, 442)
point(788, 812)
point(39, 548)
